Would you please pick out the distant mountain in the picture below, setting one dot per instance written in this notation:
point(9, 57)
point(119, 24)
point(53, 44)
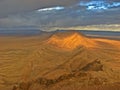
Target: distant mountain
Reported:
point(70, 40)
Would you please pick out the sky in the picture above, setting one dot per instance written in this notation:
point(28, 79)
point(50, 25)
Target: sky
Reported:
point(50, 15)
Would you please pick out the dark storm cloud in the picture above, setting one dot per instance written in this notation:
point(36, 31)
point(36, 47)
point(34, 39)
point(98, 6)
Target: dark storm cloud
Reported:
point(18, 6)
point(69, 17)
point(43, 14)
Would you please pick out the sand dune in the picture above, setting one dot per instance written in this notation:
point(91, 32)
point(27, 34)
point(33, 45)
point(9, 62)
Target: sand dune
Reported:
point(59, 61)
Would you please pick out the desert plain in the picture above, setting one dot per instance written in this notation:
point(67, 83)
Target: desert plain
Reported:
point(59, 61)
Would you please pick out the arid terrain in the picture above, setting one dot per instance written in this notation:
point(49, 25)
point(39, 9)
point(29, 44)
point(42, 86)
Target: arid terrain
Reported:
point(59, 61)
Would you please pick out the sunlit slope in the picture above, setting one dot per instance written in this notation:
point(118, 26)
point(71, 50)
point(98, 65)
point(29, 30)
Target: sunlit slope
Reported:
point(71, 40)
point(67, 59)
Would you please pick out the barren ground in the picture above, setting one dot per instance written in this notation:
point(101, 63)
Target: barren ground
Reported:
point(61, 61)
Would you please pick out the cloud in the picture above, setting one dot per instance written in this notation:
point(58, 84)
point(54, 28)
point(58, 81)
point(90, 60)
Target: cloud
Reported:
point(99, 4)
point(101, 27)
point(51, 8)
point(19, 6)
point(51, 14)
point(68, 17)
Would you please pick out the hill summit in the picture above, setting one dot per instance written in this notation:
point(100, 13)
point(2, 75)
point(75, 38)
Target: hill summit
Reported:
point(70, 40)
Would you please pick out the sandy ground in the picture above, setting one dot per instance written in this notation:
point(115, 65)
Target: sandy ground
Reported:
point(61, 61)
